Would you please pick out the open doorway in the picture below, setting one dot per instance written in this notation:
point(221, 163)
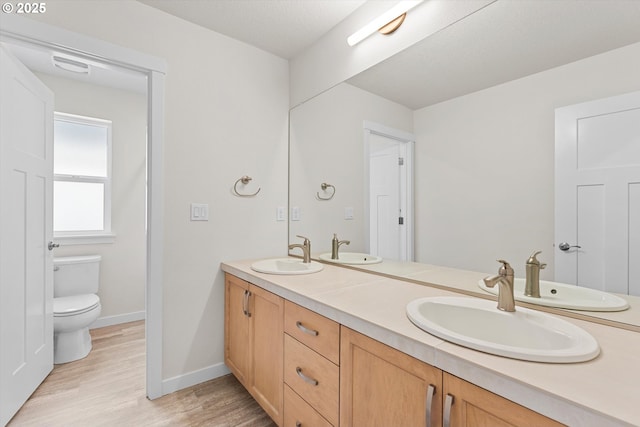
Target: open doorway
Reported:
point(23, 32)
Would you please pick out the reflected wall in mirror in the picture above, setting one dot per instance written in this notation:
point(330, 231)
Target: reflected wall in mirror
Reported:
point(479, 97)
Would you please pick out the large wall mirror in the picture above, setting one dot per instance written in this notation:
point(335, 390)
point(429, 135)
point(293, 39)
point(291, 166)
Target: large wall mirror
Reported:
point(473, 107)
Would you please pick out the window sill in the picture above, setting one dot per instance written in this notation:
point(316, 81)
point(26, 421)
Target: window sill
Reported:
point(85, 239)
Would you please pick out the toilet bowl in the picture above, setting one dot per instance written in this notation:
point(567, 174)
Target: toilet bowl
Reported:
point(75, 306)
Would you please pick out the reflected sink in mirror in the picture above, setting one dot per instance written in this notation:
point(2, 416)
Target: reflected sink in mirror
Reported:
point(562, 295)
point(286, 266)
point(524, 334)
point(352, 258)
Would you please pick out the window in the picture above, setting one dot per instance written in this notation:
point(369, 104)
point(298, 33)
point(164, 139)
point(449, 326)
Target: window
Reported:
point(81, 178)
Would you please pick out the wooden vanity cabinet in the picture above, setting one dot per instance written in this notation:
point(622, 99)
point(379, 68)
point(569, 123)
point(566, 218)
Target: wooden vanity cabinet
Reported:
point(311, 368)
point(254, 344)
point(467, 405)
point(381, 386)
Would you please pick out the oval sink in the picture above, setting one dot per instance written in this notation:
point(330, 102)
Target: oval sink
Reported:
point(286, 266)
point(524, 334)
point(562, 295)
point(352, 258)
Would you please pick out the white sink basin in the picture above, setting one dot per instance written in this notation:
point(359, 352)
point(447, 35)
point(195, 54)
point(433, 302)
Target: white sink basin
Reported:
point(352, 258)
point(286, 266)
point(524, 334)
point(562, 295)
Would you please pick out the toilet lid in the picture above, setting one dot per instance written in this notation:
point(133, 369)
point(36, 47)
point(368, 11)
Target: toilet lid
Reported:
point(76, 304)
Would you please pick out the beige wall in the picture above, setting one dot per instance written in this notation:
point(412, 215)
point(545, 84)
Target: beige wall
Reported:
point(485, 163)
point(122, 269)
point(226, 106)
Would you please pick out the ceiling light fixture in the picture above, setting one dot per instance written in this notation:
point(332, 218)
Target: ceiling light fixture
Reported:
point(386, 23)
point(70, 65)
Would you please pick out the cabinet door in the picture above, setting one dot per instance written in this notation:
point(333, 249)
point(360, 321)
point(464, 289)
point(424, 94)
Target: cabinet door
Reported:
point(381, 386)
point(472, 406)
point(267, 319)
point(236, 328)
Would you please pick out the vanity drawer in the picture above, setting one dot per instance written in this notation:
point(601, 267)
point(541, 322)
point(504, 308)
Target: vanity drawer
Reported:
point(297, 412)
point(312, 377)
point(313, 330)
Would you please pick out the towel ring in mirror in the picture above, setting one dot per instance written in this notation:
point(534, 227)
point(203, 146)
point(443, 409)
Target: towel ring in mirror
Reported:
point(244, 180)
point(324, 187)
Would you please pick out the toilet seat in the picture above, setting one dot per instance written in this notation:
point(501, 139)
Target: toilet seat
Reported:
point(74, 305)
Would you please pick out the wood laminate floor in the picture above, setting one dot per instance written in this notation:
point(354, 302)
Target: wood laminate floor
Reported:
point(107, 388)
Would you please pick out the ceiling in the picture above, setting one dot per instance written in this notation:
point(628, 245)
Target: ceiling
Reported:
point(504, 41)
point(282, 27)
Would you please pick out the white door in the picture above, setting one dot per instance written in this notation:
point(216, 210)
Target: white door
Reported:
point(390, 214)
point(598, 194)
point(26, 270)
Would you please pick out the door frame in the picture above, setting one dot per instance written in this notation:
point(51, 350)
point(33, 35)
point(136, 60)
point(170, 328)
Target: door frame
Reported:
point(24, 31)
point(369, 128)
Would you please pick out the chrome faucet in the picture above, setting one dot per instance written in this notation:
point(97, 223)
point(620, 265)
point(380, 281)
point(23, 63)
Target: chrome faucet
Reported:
point(335, 245)
point(533, 267)
point(504, 280)
point(306, 248)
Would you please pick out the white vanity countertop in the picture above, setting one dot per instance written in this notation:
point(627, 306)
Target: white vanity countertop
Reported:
point(600, 392)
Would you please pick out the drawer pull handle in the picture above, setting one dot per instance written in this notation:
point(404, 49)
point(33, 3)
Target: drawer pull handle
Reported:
point(307, 330)
point(446, 421)
point(298, 424)
point(306, 378)
point(430, 392)
point(245, 303)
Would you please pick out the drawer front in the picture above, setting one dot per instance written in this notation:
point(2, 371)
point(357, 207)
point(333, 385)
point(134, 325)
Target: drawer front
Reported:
point(313, 330)
point(298, 413)
point(312, 377)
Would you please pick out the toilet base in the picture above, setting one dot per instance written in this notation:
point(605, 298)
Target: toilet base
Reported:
point(70, 346)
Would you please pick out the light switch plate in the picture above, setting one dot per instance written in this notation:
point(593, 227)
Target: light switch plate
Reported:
point(199, 212)
point(348, 213)
point(295, 213)
point(281, 213)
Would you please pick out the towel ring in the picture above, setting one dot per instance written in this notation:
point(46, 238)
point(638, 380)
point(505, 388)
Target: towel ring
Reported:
point(244, 180)
point(324, 187)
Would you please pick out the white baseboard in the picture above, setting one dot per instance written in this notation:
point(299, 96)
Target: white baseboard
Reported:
point(117, 319)
point(192, 378)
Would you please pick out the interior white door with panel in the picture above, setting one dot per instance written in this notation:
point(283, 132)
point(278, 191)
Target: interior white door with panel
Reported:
point(597, 194)
point(389, 192)
point(26, 265)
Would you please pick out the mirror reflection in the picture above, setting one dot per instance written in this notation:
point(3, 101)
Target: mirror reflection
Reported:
point(475, 107)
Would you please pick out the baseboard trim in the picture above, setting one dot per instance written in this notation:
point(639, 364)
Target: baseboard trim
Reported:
point(179, 382)
point(118, 319)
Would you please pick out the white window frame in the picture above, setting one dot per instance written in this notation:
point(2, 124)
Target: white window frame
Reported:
point(89, 236)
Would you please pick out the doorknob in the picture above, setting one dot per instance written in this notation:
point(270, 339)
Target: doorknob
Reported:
point(52, 245)
point(564, 246)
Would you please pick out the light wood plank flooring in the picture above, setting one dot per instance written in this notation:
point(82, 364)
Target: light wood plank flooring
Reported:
point(107, 388)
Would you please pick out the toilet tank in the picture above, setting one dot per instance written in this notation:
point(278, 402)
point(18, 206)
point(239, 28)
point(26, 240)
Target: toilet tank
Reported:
point(76, 275)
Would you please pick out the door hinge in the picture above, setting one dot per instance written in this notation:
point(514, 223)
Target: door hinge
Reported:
point(400, 161)
point(401, 220)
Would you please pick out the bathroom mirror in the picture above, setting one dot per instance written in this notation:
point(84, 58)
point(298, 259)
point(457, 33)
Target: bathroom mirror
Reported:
point(479, 98)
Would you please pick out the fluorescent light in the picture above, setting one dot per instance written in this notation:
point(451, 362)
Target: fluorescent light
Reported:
point(380, 21)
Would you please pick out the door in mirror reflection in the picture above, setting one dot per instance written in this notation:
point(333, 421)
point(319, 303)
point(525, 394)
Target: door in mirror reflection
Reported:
point(390, 196)
point(598, 194)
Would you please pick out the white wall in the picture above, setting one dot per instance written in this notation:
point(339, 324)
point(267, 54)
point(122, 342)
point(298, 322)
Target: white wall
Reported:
point(226, 106)
point(122, 269)
point(485, 163)
point(327, 145)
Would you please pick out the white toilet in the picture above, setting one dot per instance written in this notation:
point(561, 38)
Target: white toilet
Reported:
point(75, 305)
